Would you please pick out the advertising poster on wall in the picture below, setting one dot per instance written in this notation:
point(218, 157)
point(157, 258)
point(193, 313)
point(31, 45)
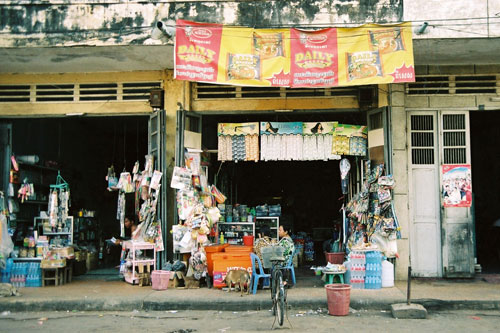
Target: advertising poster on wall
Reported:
point(237, 128)
point(197, 51)
point(456, 185)
point(324, 127)
point(271, 127)
point(314, 58)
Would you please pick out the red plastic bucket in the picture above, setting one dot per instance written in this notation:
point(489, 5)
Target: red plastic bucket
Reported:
point(160, 279)
point(335, 257)
point(248, 240)
point(339, 298)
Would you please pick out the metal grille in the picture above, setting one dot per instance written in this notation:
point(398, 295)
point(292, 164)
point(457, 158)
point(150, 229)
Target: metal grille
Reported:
point(214, 91)
point(454, 85)
point(454, 139)
point(376, 121)
point(88, 92)
point(422, 139)
point(14, 93)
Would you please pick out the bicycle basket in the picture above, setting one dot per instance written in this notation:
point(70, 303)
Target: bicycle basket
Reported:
point(270, 251)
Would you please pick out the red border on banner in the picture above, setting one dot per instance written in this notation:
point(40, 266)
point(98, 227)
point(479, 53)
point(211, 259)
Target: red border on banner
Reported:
point(197, 49)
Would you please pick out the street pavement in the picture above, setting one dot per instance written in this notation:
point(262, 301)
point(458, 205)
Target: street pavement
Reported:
point(110, 294)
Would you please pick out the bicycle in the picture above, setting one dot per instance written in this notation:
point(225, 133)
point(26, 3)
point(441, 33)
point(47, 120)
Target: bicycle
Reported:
point(278, 290)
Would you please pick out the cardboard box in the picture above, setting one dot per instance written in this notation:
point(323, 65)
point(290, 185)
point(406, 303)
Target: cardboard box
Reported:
point(64, 252)
point(53, 263)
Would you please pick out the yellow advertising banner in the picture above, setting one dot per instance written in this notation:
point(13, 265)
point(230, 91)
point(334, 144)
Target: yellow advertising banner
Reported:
point(369, 54)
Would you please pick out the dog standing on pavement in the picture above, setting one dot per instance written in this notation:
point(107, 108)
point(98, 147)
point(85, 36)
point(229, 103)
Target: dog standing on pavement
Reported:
point(238, 277)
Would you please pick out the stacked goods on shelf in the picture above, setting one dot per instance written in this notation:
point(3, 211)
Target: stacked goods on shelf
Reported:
point(357, 269)
point(373, 278)
point(309, 250)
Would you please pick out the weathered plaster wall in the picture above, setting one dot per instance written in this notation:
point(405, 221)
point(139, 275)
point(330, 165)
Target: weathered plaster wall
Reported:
point(455, 18)
point(111, 22)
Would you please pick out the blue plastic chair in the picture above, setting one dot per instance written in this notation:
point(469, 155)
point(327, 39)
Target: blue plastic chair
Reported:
point(289, 265)
point(256, 276)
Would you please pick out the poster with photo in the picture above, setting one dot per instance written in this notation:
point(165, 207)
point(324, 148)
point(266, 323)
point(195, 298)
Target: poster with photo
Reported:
point(457, 185)
point(324, 127)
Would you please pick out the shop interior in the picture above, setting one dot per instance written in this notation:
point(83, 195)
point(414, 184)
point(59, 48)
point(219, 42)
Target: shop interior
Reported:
point(81, 149)
point(485, 160)
point(309, 192)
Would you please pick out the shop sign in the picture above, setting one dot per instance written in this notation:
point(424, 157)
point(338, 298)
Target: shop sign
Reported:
point(456, 185)
point(269, 127)
point(370, 54)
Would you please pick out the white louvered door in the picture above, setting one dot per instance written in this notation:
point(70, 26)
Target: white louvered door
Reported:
point(425, 231)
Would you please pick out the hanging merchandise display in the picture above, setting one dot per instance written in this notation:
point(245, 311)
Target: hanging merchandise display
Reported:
point(59, 203)
point(196, 206)
point(238, 142)
point(371, 213)
point(350, 140)
point(26, 190)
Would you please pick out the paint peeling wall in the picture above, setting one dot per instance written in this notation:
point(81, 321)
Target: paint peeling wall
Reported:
point(112, 22)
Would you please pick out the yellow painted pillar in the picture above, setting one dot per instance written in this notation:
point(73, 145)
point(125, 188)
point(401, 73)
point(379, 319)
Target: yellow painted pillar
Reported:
point(175, 92)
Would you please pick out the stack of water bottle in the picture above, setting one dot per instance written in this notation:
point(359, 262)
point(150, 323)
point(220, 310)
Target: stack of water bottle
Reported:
point(357, 269)
point(26, 274)
point(5, 273)
point(373, 277)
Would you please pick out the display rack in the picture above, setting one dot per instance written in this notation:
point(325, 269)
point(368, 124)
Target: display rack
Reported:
point(40, 176)
point(234, 231)
point(131, 276)
point(86, 230)
point(273, 222)
point(41, 224)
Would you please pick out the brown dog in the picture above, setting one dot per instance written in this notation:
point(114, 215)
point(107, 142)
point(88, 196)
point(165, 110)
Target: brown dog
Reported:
point(238, 277)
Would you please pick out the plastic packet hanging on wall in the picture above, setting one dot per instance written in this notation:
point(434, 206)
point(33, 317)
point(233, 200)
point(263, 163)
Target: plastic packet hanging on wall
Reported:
point(155, 180)
point(384, 194)
point(111, 177)
point(125, 182)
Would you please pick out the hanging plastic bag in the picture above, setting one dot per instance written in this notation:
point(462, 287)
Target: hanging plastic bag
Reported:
point(219, 197)
point(6, 245)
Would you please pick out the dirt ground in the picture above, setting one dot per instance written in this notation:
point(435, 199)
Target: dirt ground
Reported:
point(247, 321)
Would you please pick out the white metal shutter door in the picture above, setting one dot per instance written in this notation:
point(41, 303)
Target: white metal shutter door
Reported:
point(457, 222)
point(425, 244)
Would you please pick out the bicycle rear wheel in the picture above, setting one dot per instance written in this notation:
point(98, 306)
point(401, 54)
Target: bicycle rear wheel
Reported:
point(280, 300)
point(274, 288)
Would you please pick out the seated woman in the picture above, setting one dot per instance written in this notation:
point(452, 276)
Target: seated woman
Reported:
point(287, 242)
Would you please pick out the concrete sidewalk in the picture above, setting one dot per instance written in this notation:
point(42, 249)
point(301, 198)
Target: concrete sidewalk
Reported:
point(309, 294)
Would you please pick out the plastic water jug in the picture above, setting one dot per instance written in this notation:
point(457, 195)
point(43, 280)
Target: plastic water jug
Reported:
point(387, 274)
